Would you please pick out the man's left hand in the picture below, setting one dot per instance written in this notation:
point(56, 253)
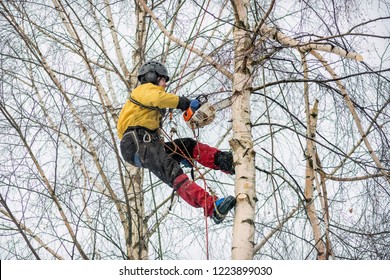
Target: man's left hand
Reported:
point(194, 104)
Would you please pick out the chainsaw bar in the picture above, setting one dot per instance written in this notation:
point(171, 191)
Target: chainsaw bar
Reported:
point(205, 114)
point(220, 105)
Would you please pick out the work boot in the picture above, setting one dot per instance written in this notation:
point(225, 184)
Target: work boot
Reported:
point(222, 207)
point(224, 162)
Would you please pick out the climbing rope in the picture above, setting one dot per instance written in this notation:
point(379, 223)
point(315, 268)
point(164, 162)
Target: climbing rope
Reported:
point(173, 130)
point(205, 196)
point(178, 151)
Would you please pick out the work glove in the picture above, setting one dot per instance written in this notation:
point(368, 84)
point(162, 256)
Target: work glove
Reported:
point(194, 104)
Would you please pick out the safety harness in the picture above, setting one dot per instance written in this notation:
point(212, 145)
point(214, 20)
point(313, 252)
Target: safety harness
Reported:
point(143, 105)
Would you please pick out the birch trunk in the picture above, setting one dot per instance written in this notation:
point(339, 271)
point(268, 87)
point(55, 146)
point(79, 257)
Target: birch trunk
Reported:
point(242, 143)
point(137, 243)
point(310, 180)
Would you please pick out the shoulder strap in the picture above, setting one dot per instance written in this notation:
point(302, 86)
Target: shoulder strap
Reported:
point(142, 105)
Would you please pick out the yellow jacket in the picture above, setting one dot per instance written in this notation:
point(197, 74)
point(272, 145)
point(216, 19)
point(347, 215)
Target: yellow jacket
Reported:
point(148, 95)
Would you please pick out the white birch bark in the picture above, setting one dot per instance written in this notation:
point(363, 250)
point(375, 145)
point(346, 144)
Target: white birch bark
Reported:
point(310, 181)
point(283, 39)
point(137, 245)
point(242, 143)
point(311, 166)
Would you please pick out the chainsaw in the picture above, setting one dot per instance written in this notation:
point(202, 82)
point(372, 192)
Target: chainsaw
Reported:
point(206, 112)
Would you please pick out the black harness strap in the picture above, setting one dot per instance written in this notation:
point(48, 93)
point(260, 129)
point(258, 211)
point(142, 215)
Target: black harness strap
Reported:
point(142, 105)
point(174, 190)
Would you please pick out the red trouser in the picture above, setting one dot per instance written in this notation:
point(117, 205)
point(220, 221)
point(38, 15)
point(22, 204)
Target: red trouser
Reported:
point(194, 195)
point(205, 155)
point(188, 190)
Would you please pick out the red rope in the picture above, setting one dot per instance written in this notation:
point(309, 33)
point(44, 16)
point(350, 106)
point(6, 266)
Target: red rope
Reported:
point(204, 180)
point(179, 151)
point(205, 201)
point(196, 138)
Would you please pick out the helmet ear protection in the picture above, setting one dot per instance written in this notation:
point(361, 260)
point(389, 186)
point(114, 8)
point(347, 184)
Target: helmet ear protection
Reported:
point(151, 77)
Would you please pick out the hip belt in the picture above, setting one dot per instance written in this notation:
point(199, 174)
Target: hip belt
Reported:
point(142, 135)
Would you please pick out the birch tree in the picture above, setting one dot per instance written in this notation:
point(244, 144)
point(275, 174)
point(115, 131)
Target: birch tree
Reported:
point(308, 125)
point(242, 143)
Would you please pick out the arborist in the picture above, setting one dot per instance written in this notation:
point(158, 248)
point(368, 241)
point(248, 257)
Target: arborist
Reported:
point(141, 145)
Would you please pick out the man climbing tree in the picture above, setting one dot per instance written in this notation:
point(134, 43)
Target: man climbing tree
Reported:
point(138, 128)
